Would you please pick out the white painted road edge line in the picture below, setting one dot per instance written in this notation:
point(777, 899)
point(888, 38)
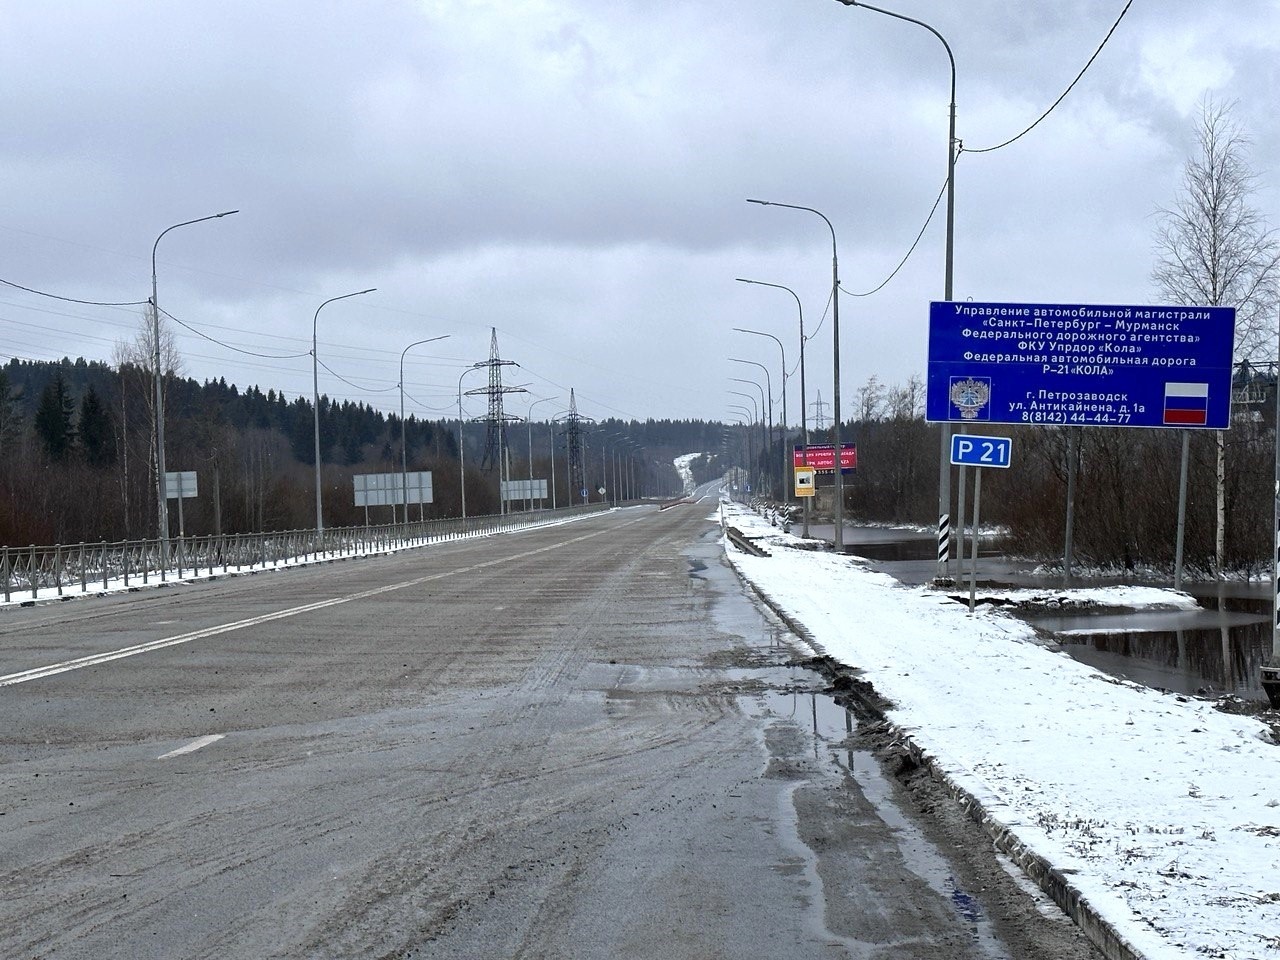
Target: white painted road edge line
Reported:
point(193, 746)
point(38, 673)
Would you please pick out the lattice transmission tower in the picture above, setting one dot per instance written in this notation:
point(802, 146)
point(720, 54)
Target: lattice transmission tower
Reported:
point(497, 420)
point(820, 417)
point(573, 447)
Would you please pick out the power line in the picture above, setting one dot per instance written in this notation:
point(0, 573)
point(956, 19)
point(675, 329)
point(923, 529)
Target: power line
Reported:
point(914, 244)
point(247, 353)
point(92, 303)
point(1053, 106)
point(356, 385)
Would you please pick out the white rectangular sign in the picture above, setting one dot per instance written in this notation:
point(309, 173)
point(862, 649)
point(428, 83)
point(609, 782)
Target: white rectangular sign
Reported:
point(389, 489)
point(180, 484)
point(520, 490)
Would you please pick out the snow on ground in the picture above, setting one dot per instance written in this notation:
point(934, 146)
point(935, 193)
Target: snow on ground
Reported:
point(682, 467)
point(1163, 812)
point(1093, 598)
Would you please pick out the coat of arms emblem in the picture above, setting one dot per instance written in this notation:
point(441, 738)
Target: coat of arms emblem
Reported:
point(970, 395)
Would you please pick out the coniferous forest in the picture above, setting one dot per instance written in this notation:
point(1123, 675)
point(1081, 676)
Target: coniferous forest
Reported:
point(79, 466)
point(79, 461)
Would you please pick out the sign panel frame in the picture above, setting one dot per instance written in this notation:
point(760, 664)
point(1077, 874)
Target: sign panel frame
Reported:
point(974, 450)
point(805, 481)
point(1162, 367)
point(388, 489)
point(513, 490)
point(822, 457)
point(181, 485)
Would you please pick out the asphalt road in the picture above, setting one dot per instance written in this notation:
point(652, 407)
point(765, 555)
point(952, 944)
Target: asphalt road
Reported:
point(583, 741)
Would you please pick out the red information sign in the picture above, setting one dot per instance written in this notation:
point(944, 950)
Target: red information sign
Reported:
point(822, 457)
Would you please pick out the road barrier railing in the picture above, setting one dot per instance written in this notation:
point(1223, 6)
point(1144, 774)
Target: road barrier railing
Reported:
point(30, 573)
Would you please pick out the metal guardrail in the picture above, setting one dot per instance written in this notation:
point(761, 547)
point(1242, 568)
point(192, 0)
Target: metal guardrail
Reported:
point(65, 569)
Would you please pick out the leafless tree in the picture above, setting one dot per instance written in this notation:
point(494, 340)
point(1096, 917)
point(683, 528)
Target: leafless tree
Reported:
point(1214, 248)
point(135, 359)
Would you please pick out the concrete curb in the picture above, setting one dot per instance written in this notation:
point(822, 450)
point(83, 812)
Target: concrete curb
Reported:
point(1053, 882)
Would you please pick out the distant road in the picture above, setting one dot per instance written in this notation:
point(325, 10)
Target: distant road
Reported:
point(579, 741)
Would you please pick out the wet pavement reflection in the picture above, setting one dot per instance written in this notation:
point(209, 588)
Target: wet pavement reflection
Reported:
point(832, 726)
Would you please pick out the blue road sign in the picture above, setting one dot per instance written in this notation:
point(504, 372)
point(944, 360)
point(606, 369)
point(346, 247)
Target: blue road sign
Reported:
point(969, 450)
point(1080, 365)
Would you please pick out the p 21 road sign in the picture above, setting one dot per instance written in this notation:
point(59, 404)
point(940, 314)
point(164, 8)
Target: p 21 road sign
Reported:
point(968, 450)
point(1080, 365)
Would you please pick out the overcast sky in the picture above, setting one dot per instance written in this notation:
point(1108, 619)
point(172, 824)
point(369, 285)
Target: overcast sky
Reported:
point(574, 173)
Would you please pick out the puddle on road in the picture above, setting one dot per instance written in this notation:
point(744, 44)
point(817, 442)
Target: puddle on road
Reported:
point(832, 727)
point(790, 694)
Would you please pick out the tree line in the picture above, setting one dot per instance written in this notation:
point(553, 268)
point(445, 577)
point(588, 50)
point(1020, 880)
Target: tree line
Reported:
point(78, 458)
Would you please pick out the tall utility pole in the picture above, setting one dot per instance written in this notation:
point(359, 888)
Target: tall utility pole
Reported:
point(838, 512)
point(162, 501)
point(820, 418)
point(495, 437)
point(944, 455)
point(573, 450)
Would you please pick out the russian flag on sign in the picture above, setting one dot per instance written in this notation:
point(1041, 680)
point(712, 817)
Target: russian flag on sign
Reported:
point(1186, 404)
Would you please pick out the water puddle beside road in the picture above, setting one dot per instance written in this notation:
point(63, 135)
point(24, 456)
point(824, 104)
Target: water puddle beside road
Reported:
point(1205, 652)
point(832, 727)
point(791, 693)
point(1215, 651)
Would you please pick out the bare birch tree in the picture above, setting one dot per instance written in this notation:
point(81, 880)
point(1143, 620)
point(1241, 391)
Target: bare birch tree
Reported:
point(135, 362)
point(1214, 248)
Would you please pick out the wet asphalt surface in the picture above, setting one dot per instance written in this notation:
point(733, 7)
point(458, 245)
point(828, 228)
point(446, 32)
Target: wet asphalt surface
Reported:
point(583, 741)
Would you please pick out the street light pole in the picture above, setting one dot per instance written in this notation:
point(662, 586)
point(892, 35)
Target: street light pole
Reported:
point(404, 454)
point(162, 500)
point(765, 434)
point(751, 443)
point(315, 397)
point(804, 421)
point(944, 454)
point(768, 383)
point(787, 494)
point(835, 337)
point(462, 447)
point(754, 414)
point(553, 452)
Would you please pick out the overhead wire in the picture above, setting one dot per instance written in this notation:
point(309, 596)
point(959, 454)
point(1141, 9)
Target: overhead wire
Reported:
point(227, 346)
point(92, 303)
point(911, 250)
point(961, 149)
point(1054, 105)
point(356, 385)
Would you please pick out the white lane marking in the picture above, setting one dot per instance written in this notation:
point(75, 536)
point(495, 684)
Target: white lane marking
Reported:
point(39, 673)
point(193, 746)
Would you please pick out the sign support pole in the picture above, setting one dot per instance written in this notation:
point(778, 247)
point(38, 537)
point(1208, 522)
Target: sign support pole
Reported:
point(1073, 465)
point(960, 508)
point(973, 565)
point(1271, 667)
point(1182, 510)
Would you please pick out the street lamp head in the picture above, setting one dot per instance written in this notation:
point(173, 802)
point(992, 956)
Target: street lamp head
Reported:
point(225, 213)
point(763, 203)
